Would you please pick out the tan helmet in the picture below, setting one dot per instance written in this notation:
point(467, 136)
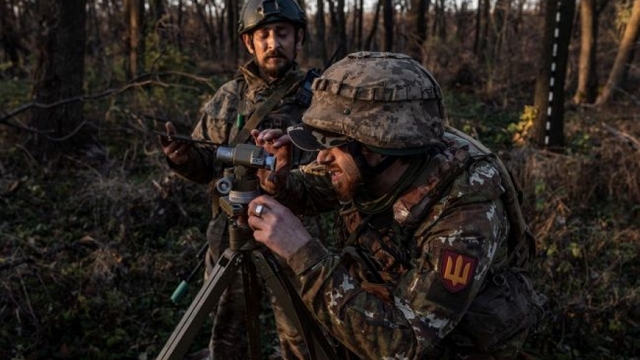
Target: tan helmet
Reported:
point(256, 13)
point(387, 101)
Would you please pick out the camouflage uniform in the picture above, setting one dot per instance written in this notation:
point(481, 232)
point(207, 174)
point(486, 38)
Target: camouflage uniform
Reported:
point(219, 124)
point(433, 270)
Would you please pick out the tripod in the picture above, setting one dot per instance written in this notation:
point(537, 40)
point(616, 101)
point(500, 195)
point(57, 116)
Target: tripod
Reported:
point(243, 254)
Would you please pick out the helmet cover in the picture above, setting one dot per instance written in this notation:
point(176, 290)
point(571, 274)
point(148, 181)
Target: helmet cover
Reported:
point(386, 101)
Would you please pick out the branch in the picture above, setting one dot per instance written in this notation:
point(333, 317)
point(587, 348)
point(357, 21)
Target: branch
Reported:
point(633, 142)
point(25, 107)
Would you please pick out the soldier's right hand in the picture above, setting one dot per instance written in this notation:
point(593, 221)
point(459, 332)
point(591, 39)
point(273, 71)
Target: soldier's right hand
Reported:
point(278, 144)
point(175, 150)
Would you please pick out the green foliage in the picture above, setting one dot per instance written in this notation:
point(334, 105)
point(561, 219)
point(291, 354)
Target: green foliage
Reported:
point(482, 120)
point(13, 93)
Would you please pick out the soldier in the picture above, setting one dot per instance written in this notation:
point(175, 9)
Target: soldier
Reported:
point(434, 246)
point(267, 93)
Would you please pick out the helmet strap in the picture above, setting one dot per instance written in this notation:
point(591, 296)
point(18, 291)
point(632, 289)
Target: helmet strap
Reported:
point(354, 148)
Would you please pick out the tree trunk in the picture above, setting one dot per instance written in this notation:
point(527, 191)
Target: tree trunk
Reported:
point(476, 41)
point(419, 10)
point(342, 29)
point(548, 129)
point(622, 58)
point(134, 10)
point(320, 32)
point(360, 18)
point(500, 20)
point(202, 16)
point(587, 70)
point(388, 25)
point(158, 9)
point(8, 37)
point(59, 75)
point(374, 27)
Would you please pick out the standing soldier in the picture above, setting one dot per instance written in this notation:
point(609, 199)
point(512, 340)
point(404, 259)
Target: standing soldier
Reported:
point(267, 93)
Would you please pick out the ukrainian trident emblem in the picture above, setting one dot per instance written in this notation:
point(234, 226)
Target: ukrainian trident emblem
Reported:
point(457, 270)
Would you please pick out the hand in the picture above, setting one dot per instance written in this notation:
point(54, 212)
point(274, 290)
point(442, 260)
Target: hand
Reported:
point(276, 226)
point(276, 143)
point(175, 150)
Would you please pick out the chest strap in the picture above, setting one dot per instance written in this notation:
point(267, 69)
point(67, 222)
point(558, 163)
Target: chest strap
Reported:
point(254, 120)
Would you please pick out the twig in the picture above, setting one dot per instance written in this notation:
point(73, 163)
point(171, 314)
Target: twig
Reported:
point(105, 93)
point(633, 142)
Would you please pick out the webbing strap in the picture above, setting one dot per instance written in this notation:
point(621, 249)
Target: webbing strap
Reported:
point(268, 105)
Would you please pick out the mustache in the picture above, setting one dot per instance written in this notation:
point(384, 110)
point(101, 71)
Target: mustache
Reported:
point(274, 54)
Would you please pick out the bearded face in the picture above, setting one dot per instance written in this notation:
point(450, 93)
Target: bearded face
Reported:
point(274, 47)
point(345, 175)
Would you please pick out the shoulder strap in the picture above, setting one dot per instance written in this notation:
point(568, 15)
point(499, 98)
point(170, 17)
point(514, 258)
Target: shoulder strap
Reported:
point(268, 105)
point(521, 242)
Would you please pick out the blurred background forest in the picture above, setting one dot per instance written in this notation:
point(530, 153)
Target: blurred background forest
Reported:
point(95, 231)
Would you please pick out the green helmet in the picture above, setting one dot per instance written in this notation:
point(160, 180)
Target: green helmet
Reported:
point(260, 12)
point(386, 101)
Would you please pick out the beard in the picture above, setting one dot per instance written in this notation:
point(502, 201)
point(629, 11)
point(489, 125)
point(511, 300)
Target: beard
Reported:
point(347, 184)
point(280, 68)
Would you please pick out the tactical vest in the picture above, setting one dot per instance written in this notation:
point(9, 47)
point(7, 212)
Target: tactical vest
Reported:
point(384, 241)
point(521, 241)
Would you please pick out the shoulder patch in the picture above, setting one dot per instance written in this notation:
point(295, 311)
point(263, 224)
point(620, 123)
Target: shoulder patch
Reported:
point(456, 270)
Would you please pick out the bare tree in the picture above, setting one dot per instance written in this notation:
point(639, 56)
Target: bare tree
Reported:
point(629, 38)
point(232, 20)
point(499, 25)
point(440, 23)
point(548, 128)
point(387, 17)
point(320, 32)
point(374, 27)
point(342, 29)
point(201, 13)
point(338, 25)
point(482, 29)
point(419, 10)
point(586, 91)
point(359, 27)
point(158, 9)
point(9, 38)
point(59, 75)
point(135, 38)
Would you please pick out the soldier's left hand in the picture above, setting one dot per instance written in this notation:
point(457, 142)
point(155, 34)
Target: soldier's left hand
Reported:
point(276, 143)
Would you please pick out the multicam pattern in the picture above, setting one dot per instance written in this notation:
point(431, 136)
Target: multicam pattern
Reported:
point(412, 313)
point(402, 111)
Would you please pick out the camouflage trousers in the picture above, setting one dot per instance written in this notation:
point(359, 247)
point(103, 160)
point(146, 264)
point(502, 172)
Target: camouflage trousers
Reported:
point(229, 339)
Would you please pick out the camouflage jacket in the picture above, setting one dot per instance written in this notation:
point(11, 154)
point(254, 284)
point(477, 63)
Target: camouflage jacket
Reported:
point(402, 290)
point(219, 120)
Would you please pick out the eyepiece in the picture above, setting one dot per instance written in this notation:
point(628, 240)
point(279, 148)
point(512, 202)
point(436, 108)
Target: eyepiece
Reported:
point(246, 155)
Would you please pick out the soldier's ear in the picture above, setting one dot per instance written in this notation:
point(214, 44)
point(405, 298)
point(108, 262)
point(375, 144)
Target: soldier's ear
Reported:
point(300, 39)
point(248, 43)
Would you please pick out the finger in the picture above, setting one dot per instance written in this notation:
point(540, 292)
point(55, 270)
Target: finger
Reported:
point(271, 135)
point(171, 130)
point(284, 140)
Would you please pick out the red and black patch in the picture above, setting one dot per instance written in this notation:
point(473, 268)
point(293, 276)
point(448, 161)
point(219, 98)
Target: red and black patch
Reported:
point(457, 270)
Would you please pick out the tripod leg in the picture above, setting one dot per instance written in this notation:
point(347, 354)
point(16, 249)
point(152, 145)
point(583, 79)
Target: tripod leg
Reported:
point(193, 319)
point(252, 295)
point(319, 346)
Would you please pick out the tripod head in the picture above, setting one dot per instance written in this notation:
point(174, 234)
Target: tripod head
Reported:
point(239, 185)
